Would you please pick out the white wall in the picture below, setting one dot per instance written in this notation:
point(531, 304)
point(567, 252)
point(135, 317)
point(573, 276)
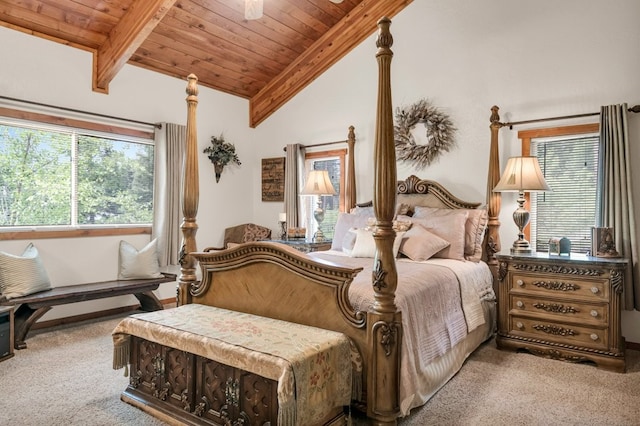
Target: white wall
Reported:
point(51, 73)
point(533, 59)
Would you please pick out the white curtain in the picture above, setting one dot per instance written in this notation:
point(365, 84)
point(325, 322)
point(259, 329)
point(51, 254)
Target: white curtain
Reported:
point(170, 143)
point(293, 181)
point(616, 202)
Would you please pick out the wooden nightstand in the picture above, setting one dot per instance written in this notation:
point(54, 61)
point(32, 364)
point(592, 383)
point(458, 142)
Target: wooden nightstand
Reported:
point(306, 246)
point(565, 308)
point(6, 332)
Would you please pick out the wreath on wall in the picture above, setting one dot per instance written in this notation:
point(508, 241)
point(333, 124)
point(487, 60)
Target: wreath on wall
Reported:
point(440, 133)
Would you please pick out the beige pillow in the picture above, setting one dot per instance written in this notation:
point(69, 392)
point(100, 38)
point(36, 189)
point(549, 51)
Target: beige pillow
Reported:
point(22, 275)
point(138, 264)
point(419, 244)
point(450, 227)
point(475, 227)
point(365, 245)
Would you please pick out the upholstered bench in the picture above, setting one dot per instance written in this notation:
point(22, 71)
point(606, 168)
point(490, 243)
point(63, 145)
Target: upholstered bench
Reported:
point(204, 365)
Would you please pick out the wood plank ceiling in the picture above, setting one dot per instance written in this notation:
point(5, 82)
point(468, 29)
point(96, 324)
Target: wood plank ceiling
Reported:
point(267, 60)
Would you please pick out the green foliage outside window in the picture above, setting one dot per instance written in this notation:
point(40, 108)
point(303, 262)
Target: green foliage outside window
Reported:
point(112, 182)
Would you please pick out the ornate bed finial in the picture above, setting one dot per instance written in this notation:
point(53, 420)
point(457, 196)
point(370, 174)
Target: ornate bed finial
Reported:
point(192, 85)
point(385, 39)
point(495, 117)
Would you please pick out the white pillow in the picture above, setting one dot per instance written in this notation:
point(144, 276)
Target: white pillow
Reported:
point(138, 264)
point(365, 245)
point(345, 222)
point(419, 244)
point(349, 240)
point(22, 275)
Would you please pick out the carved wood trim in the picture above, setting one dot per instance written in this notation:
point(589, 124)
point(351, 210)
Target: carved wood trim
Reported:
point(415, 185)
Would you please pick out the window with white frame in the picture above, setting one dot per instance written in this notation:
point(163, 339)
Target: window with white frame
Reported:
point(56, 176)
point(568, 158)
point(333, 162)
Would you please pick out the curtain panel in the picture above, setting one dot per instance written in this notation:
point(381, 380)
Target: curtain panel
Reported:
point(294, 179)
point(616, 207)
point(170, 143)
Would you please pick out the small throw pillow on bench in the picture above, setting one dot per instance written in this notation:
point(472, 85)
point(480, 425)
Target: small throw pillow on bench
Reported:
point(138, 264)
point(22, 275)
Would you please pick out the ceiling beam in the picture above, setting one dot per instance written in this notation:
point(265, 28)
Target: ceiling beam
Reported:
point(125, 38)
point(356, 26)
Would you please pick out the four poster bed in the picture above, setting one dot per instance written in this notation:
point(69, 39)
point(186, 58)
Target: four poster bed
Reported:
point(379, 302)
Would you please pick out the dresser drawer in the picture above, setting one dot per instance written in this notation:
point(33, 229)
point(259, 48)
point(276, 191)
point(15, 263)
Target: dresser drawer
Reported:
point(561, 285)
point(566, 334)
point(561, 309)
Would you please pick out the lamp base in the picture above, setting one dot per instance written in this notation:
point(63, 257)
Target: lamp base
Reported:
point(519, 249)
point(318, 237)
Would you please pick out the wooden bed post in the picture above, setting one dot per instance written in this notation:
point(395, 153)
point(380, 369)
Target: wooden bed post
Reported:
point(384, 332)
point(493, 198)
point(350, 190)
point(190, 196)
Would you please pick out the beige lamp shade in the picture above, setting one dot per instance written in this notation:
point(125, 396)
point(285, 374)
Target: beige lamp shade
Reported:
point(522, 174)
point(318, 183)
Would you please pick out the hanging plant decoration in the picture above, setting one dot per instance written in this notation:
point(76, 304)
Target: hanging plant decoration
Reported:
point(221, 153)
point(440, 133)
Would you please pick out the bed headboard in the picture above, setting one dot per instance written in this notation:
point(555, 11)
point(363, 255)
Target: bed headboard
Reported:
point(414, 191)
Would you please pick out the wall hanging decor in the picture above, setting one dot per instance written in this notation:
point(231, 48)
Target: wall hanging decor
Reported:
point(273, 179)
point(440, 133)
point(220, 154)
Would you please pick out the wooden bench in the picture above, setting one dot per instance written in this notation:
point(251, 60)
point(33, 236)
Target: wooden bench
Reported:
point(34, 306)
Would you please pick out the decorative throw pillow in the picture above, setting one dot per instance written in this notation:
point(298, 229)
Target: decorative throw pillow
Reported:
point(345, 222)
point(419, 244)
point(475, 227)
point(138, 264)
point(450, 227)
point(349, 240)
point(365, 245)
point(22, 275)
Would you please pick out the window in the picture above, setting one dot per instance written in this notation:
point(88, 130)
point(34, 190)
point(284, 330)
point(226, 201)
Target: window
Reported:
point(568, 158)
point(333, 162)
point(61, 177)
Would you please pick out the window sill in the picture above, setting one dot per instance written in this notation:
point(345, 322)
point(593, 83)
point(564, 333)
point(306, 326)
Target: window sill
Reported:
point(73, 233)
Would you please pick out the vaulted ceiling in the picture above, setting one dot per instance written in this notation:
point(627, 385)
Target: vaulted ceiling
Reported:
point(267, 60)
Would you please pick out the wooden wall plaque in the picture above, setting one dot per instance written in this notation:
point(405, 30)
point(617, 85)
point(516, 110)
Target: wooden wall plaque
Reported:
point(273, 179)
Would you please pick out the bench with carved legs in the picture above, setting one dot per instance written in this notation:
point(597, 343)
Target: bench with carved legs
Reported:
point(32, 307)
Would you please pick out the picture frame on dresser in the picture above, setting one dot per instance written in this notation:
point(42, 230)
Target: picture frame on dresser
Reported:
point(563, 308)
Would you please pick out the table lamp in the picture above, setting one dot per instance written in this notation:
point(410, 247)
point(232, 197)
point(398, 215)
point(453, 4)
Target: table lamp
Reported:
point(522, 174)
point(318, 184)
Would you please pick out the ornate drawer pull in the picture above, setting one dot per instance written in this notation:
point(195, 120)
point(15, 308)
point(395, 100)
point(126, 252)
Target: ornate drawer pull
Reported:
point(519, 325)
point(594, 337)
point(520, 283)
point(594, 313)
point(519, 304)
point(594, 290)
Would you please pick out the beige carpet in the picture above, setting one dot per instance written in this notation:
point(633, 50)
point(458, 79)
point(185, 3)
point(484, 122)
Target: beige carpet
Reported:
point(65, 378)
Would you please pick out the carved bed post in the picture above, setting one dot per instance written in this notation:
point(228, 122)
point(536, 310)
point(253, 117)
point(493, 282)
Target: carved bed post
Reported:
point(384, 331)
point(190, 195)
point(493, 198)
point(350, 190)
